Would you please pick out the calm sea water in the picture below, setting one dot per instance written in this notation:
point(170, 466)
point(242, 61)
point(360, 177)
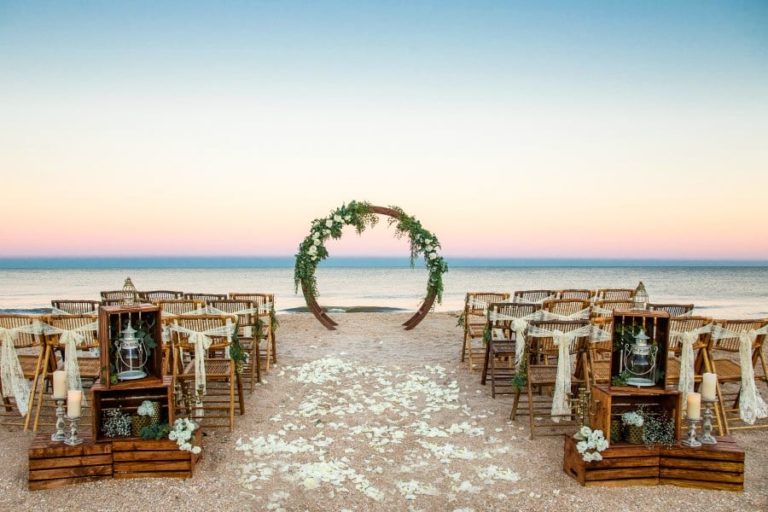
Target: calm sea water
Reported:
point(717, 290)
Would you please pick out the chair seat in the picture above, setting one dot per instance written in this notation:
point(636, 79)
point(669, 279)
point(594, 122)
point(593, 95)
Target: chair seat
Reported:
point(213, 368)
point(673, 370)
point(90, 367)
point(28, 364)
point(475, 330)
point(727, 370)
point(503, 347)
point(546, 374)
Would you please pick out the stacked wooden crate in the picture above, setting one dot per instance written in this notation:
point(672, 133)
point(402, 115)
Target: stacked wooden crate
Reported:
point(53, 465)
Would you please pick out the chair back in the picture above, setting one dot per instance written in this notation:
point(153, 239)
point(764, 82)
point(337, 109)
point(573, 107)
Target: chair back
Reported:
point(533, 296)
point(23, 339)
point(544, 346)
point(678, 325)
point(614, 294)
point(156, 295)
point(726, 334)
point(72, 323)
point(501, 314)
point(177, 307)
point(202, 324)
point(245, 310)
point(76, 307)
point(566, 307)
point(117, 297)
point(477, 303)
point(575, 293)
point(605, 308)
point(672, 309)
point(205, 297)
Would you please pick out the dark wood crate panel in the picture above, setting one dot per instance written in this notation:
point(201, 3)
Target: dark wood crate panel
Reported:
point(113, 319)
point(53, 465)
point(129, 398)
point(611, 402)
point(141, 458)
point(719, 466)
point(656, 327)
point(622, 465)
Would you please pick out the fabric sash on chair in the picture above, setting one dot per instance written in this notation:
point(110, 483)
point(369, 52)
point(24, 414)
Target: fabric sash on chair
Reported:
point(72, 339)
point(11, 372)
point(518, 325)
point(474, 303)
point(202, 342)
point(687, 373)
point(751, 404)
point(578, 315)
point(562, 340)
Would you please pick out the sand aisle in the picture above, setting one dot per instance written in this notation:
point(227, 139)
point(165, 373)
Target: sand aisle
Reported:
point(371, 417)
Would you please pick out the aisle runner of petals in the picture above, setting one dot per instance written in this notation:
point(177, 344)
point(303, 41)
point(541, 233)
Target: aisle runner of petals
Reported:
point(383, 416)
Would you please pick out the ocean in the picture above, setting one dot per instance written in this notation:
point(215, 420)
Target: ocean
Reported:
point(720, 289)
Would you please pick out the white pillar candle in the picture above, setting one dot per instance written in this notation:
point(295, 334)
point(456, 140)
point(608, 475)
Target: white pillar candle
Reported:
point(74, 398)
point(708, 386)
point(694, 406)
point(59, 385)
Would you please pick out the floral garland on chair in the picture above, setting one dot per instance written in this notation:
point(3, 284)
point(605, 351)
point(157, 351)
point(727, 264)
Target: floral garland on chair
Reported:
point(359, 214)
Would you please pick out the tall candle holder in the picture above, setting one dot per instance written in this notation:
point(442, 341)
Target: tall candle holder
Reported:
point(72, 439)
point(706, 427)
point(59, 435)
point(691, 442)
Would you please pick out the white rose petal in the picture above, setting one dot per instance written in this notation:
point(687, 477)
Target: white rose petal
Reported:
point(432, 255)
point(337, 218)
point(328, 223)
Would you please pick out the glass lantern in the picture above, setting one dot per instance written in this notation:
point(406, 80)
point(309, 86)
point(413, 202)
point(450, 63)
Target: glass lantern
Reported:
point(130, 296)
point(641, 296)
point(640, 361)
point(131, 355)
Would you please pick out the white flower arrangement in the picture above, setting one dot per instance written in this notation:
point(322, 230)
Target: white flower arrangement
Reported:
point(591, 443)
point(182, 432)
point(147, 408)
point(632, 418)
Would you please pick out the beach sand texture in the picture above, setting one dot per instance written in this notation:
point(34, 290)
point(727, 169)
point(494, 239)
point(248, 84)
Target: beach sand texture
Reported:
point(372, 417)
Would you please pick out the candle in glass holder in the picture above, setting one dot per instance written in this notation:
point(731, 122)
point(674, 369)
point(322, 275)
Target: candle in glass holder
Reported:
point(59, 385)
point(74, 398)
point(708, 386)
point(694, 406)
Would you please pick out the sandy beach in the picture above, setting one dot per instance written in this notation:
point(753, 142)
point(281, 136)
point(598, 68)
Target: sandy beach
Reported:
point(371, 417)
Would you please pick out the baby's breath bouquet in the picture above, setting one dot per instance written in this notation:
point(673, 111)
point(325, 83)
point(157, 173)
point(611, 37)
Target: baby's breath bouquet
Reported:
point(590, 443)
point(182, 432)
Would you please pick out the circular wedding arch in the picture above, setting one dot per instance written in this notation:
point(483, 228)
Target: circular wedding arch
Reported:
point(361, 215)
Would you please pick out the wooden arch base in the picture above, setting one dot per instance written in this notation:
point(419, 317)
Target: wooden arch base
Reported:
point(331, 324)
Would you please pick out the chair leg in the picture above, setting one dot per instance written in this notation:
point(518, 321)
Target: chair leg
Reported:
point(530, 409)
point(34, 389)
point(493, 375)
point(240, 397)
point(231, 396)
point(721, 403)
point(464, 344)
point(515, 404)
point(274, 345)
point(42, 387)
point(484, 375)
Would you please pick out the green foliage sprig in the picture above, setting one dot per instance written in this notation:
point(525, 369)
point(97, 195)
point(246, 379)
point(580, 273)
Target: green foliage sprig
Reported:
point(159, 431)
point(358, 214)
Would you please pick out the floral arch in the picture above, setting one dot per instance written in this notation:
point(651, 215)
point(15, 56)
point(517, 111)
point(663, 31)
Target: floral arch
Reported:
point(362, 215)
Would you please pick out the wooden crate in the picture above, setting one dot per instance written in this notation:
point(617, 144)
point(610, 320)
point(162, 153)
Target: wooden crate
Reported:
point(140, 458)
point(611, 402)
point(656, 326)
point(113, 319)
point(54, 465)
point(719, 466)
point(129, 398)
point(622, 465)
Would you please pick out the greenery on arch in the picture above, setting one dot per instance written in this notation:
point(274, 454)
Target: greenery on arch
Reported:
point(359, 214)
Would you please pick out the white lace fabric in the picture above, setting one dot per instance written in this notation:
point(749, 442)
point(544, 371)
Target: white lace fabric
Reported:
point(687, 372)
point(72, 339)
point(202, 342)
point(11, 373)
point(518, 325)
point(752, 407)
point(562, 340)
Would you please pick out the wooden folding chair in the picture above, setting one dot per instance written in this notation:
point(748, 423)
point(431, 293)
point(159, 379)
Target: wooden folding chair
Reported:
point(267, 319)
point(566, 309)
point(249, 332)
point(205, 297)
point(475, 317)
point(501, 343)
point(723, 352)
point(541, 372)
point(87, 355)
point(153, 296)
point(216, 403)
point(575, 293)
point(25, 331)
point(605, 308)
point(118, 297)
point(614, 294)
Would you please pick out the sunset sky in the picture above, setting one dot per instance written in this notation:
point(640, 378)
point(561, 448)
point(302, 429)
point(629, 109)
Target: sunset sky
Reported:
point(510, 129)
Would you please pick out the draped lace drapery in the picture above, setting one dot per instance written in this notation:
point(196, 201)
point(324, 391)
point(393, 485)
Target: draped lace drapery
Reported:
point(11, 373)
point(72, 339)
point(563, 341)
point(687, 373)
point(518, 325)
point(752, 407)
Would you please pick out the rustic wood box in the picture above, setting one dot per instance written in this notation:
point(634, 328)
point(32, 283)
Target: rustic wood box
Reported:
point(719, 466)
point(112, 320)
point(611, 402)
point(626, 324)
point(622, 465)
point(129, 398)
point(54, 465)
point(140, 458)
